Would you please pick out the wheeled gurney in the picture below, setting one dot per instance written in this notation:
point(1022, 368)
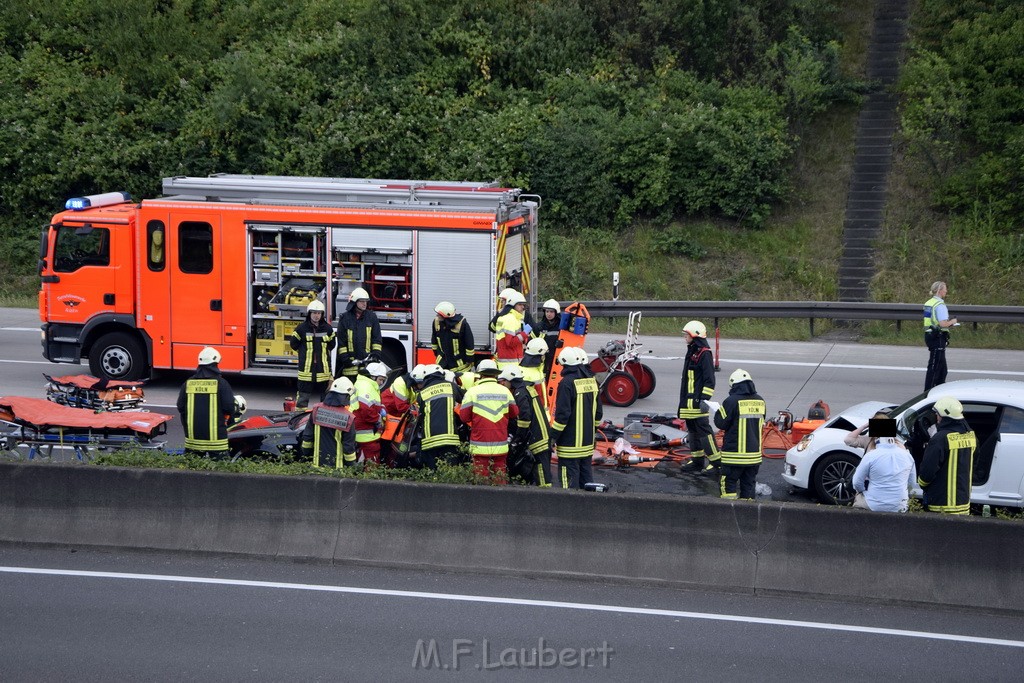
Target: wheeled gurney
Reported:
point(35, 426)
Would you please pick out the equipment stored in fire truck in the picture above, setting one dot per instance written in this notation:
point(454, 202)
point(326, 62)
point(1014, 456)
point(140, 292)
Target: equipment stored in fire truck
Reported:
point(232, 261)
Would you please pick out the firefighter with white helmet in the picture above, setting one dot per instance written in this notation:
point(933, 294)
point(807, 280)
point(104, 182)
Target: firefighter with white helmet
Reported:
point(696, 389)
point(207, 405)
point(436, 400)
point(511, 331)
point(741, 416)
point(330, 433)
point(489, 411)
point(359, 336)
point(368, 409)
point(945, 474)
point(534, 373)
point(549, 327)
point(577, 414)
point(313, 340)
point(452, 338)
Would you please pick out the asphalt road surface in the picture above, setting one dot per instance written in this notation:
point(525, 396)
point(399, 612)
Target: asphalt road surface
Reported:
point(790, 376)
point(95, 616)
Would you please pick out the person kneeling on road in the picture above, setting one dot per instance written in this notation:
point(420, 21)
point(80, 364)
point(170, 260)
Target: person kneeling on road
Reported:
point(330, 435)
point(742, 417)
point(886, 473)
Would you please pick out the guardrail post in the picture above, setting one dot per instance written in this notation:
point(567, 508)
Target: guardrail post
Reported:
point(718, 365)
point(812, 326)
point(899, 325)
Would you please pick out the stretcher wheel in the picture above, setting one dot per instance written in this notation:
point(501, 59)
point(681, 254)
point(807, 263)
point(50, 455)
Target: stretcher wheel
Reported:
point(644, 377)
point(620, 389)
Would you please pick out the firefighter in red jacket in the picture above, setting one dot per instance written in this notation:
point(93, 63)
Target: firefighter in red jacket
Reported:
point(696, 389)
point(489, 411)
point(369, 410)
point(511, 331)
point(330, 434)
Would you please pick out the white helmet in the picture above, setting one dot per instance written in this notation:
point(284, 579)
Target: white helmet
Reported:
point(487, 367)
point(514, 298)
point(572, 355)
point(419, 373)
point(241, 405)
point(511, 372)
point(553, 305)
point(449, 376)
point(503, 294)
point(696, 328)
point(445, 309)
point(359, 294)
point(536, 346)
point(343, 385)
point(740, 376)
point(209, 356)
point(947, 406)
point(315, 305)
point(377, 369)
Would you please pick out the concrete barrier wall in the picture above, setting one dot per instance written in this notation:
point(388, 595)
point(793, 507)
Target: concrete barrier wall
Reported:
point(690, 542)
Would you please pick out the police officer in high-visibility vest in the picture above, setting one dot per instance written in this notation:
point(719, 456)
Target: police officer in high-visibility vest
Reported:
point(946, 468)
point(207, 404)
point(369, 410)
point(313, 340)
point(437, 399)
point(451, 339)
point(489, 411)
point(696, 389)
point(742, 417)
point(936, 335)
point(577, 414)
point(330, 433)
point(359, 337)
point(530, 449)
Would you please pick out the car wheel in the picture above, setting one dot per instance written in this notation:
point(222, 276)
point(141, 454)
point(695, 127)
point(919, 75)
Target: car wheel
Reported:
point(118, 356)
point(833, 478)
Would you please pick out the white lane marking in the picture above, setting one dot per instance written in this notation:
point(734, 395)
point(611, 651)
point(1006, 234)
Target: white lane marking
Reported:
point(454, 597)
point(19, 329)
point(27, 362)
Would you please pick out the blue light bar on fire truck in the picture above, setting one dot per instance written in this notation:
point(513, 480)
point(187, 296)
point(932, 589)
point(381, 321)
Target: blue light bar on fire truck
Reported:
point(96, 200)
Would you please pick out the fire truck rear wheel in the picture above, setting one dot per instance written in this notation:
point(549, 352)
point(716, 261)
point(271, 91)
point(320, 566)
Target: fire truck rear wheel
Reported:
point(117, 355)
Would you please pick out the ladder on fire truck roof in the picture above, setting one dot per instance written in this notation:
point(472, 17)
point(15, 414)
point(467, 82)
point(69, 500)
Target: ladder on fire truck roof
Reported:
point(418, 194)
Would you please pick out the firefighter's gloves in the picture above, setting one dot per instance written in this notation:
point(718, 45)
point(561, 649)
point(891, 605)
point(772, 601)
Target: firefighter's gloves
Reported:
point(240, 404)
point(374, 357)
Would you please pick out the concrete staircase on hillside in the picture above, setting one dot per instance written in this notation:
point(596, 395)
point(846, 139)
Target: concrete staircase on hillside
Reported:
point(865, 200)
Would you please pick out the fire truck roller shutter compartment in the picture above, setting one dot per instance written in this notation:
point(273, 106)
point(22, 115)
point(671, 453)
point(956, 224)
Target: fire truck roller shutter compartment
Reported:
point(445, 263)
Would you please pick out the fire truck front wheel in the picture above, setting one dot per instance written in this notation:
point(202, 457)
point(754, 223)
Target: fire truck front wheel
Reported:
point(117, 355)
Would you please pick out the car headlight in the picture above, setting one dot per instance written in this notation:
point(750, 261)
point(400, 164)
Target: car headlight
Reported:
point(804, 442)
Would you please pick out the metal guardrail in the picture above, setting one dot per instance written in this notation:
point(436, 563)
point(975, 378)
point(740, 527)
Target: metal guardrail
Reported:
point(824, 310)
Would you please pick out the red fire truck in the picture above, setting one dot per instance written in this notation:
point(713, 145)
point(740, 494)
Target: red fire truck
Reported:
point(231, 261)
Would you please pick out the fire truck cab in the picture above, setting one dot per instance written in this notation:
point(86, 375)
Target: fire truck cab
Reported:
point(231, 261)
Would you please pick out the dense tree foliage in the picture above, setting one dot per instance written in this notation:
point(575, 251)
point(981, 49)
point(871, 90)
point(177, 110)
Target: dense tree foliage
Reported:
point(964, 108)
point(613, 110)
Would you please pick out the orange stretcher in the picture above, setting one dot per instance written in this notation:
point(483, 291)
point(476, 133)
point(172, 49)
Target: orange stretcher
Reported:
point(35, 425)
